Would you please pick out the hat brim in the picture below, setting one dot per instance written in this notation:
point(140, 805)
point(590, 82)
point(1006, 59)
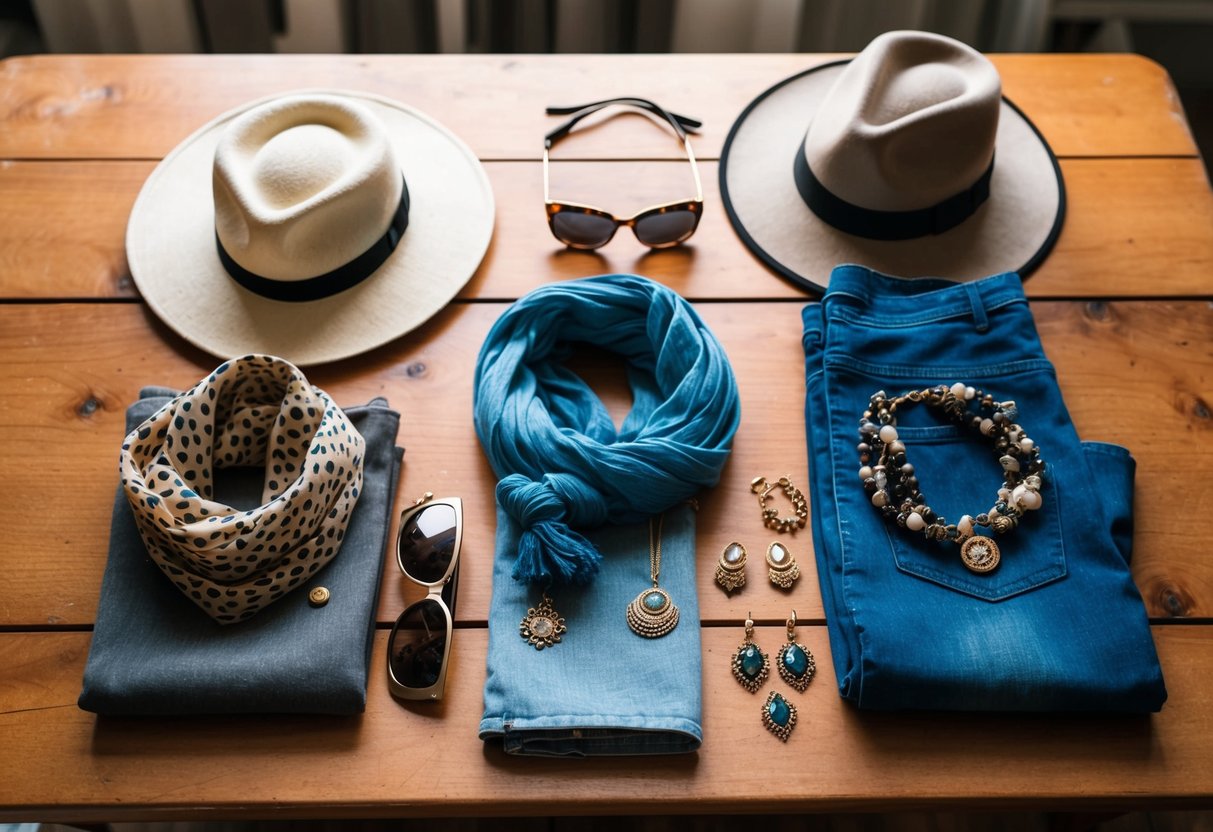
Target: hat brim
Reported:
point(170, 247)
point(1012, 231)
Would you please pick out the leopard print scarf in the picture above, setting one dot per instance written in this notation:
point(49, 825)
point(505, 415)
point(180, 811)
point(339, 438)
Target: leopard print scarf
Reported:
point(252, 411)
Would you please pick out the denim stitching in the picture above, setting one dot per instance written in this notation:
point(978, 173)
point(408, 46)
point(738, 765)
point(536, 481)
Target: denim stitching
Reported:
point(1025, 365)
point(865, 652)
point(1107, 449)
point(956, 309)
point(1055, 570)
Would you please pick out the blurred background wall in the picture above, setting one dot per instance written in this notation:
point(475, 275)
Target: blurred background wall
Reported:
point(1176, 33)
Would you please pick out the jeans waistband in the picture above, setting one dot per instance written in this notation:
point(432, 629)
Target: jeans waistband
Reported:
point(886, 299)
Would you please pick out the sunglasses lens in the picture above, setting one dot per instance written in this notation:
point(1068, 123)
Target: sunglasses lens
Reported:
point(427, 543)
point(418, 644)
point(666, 228)
point(576, 229)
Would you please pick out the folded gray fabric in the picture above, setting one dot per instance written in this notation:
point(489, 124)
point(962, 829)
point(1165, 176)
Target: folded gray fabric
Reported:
point(156, 653)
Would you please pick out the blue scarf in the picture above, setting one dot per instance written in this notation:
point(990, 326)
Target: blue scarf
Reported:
point(551, 441)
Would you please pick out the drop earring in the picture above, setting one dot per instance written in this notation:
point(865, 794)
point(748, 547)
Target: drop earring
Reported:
point(730, 571)
point(750, 664)
point(781, 566)
point(795, 662)
point(779, 715)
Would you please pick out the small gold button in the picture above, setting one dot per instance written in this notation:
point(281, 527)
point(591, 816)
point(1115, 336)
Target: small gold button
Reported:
point(319, 596)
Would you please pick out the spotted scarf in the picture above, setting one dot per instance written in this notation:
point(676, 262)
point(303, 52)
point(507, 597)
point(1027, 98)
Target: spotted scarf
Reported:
point(252, 411)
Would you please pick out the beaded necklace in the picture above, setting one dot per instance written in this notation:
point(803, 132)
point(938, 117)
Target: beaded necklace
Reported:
point(891, 481)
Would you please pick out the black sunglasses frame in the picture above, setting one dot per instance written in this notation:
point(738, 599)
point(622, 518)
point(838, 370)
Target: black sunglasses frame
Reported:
point(442, 591)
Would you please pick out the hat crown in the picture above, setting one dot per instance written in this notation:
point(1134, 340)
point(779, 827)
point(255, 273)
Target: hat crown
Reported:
point(303, 185)
point(911, 121)
point(299, 163)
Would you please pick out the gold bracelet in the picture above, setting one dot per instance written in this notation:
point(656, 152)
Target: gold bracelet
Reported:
point(770, 516)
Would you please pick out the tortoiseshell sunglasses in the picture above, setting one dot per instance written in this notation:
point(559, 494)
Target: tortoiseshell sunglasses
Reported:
point(585, 227)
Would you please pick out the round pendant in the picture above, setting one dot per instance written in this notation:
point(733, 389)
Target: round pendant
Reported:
point(652, 614)
point(542, 626)
point(980, 554)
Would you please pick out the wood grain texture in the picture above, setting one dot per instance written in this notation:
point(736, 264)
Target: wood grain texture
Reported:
point(63, 229)
point(1136, 373)
point(416, 759)
point(110, 106)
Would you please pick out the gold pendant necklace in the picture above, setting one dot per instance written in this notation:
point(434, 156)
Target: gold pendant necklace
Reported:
point(652, 614)
point(542, 626)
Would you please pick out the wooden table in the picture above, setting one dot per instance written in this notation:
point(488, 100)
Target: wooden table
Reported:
point(1123, 306)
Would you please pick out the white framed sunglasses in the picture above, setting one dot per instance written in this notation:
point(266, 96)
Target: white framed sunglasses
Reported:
point(427, 552)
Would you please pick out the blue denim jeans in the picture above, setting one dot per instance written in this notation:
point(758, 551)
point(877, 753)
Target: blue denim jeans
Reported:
point(603, 690)
point(1059, 624)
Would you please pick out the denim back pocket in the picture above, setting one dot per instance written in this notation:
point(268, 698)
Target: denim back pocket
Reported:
point(959, 474)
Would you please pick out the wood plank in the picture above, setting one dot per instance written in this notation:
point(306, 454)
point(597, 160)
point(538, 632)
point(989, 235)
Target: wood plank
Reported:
point(422, 759)
point(63, 228)
point(110, 106)
point(1137, 373)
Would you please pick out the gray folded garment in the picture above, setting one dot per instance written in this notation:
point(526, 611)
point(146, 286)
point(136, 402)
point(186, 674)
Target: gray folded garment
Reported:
point(155, 653)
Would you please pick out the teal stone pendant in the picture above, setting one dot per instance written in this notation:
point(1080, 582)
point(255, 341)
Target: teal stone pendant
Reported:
point(795, 662)
point(796, 665)
point(652, 614)
point(779, 716)
point(750, 665)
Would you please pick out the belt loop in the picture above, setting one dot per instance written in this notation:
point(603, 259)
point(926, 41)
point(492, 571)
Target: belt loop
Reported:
point(814, 323)
point(979, 308)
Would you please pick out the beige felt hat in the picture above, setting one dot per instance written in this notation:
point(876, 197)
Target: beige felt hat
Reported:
point(312, 226)
point(906, 159)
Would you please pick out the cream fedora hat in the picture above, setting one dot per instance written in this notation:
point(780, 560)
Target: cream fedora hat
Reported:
point(906, 159)
point(312, 226)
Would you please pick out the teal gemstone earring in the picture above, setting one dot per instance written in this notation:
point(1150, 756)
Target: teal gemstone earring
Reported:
point(795, 662)
point(779, 715)
point(750, 664)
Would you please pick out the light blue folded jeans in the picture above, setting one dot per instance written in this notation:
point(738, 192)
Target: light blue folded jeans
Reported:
point(603, 690)
point(1059, 624)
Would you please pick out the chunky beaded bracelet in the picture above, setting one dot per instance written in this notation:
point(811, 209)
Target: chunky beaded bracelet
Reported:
point(893, 486)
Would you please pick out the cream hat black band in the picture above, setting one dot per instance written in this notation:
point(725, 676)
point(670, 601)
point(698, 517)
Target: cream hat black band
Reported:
point(280, 227)
point(888, 160)
point(333, 282)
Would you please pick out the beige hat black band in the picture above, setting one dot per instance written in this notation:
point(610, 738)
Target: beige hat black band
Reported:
point(872, 224)
point(1014, 228)
point(299, 185)
point(332, 282)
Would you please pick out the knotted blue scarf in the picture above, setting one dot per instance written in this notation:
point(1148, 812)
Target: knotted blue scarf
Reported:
point(551, 441)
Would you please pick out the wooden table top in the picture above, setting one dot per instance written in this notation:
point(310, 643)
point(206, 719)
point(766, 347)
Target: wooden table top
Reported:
point(1123, 306)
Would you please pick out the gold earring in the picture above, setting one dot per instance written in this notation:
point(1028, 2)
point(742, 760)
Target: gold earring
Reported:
point(779, 715)
point(750, 664)
point(796, 665)
point(781, 566)
point(730, 571)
